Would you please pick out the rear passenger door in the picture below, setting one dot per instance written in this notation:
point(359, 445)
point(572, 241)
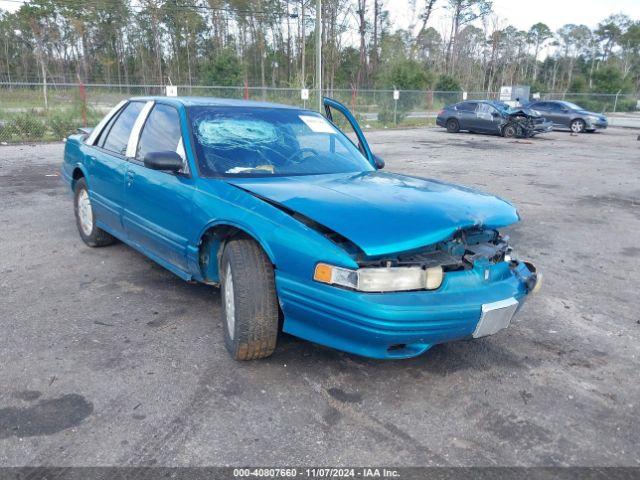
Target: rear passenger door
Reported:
point(158, 204)
point(466, 113)
point(106, 163)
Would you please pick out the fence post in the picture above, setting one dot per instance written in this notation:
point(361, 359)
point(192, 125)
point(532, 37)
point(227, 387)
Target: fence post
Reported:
point(429, 100)
point(615, 103)
point(83, 100)
point(354, 94)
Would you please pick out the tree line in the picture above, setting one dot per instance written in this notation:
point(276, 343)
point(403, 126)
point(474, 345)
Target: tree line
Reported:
point(271, 43)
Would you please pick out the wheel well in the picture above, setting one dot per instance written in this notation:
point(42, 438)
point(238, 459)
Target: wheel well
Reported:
point(577, 118)
point(77, 175)
point(212, 245)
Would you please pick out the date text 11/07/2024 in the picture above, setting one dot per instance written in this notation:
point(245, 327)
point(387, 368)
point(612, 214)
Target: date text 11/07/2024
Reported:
point(326, 472)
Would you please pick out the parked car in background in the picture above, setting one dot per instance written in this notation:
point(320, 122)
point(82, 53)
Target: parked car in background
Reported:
point(298, 225)
point(569, 115)
point(488, 116)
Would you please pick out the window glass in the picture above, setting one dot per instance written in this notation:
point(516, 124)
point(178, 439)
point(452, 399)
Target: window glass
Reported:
point(467, 106)
point(342, 122)
point(107, 127)
point(253, 141)
point(103, 133)
point(161, 132)
point(118, 135)
point(555, 107)
point(485, 108)
point(571, 106)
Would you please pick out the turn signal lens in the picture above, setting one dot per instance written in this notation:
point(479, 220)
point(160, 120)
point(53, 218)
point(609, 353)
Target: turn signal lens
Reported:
point(322, 273)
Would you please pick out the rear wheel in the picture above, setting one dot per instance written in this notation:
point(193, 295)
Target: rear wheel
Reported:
point(578, 126)
point(453, 126)
point(85, 219)
point(249, 301)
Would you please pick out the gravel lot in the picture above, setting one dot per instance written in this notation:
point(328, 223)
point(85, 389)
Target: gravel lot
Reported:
point(108, 359)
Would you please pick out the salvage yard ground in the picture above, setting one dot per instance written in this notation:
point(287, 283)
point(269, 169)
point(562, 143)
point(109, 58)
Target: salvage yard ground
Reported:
point(108, 359)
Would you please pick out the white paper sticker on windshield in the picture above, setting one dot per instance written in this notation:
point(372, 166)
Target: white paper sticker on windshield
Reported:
point(317, 124)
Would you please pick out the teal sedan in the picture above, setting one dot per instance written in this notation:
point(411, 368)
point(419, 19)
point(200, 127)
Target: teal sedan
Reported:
point(298, 224)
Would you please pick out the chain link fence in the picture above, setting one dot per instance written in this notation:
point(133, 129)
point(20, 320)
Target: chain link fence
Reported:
point(35, 112)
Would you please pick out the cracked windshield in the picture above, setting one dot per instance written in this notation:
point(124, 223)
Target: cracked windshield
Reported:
point(237, 141)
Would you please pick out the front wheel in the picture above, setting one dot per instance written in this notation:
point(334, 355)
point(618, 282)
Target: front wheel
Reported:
point(578, 126)
point(510, 131)
point(249, 301)
point(85, 219)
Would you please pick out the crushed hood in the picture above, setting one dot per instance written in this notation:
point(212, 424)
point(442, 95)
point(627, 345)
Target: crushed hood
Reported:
point(383, 213)
point(528, 112)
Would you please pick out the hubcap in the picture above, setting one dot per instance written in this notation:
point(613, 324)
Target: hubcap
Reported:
point(85, 214)
point(229, 302)
point(576, 127)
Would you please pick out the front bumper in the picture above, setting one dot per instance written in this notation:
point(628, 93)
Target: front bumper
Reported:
point(399, 324)
point(599, 125)
point(544, 127)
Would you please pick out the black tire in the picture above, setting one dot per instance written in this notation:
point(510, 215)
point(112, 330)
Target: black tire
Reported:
point(453, 126)
point(510, 131)
point(577, 126)
point(252, 332)
point(95, 237)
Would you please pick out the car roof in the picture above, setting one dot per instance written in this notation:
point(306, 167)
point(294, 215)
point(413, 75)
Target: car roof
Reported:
point(490, 102)
point(213, 102)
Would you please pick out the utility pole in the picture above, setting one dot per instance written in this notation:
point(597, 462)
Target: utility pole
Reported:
point(304, 41)
point(319, 52)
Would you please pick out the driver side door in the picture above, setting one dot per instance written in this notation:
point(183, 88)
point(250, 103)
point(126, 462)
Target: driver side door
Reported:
point(557, 113)
point(342, 118)
point(488, 118)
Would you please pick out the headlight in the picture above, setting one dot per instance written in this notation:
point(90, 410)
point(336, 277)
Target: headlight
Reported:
point(383, 279)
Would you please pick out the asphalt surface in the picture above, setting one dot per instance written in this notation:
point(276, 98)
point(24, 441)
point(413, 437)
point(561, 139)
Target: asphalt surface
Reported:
point(108, 359)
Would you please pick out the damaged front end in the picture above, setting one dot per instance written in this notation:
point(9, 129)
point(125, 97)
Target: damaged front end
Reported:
point(524, 123)
point(400, 305)
point(426, 268)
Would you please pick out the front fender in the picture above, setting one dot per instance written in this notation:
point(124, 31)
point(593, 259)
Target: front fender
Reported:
point(290, 245)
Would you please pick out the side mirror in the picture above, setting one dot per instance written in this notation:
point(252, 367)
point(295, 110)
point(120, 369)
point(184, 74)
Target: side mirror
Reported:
point(166, 161)
point(379, 162)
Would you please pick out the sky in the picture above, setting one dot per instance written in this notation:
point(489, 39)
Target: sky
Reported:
point(524, 13)
point(519, 13)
